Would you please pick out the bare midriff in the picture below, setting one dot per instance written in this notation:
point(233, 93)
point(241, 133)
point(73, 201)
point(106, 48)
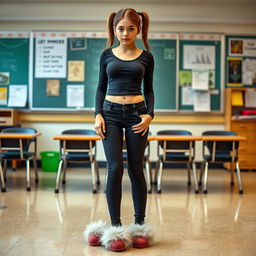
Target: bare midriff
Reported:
point(125, 99)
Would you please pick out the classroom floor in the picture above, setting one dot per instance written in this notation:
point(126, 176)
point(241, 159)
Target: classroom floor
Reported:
point(43, 223)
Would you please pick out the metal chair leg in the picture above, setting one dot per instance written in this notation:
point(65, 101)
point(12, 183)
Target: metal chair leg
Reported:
point(148, 174)
point(189, 174)
point(5, 169)
point(156, 171)
point(28, 174)
point(232, 175)
point(239, 178)
point(58, 177)
point(2, 179)
point(201, 174)
point(159, 180)
point(64, 172)
point(205, 177)
point(94, 189)
point(97, 172)
point(195, 177)
point(36, 170)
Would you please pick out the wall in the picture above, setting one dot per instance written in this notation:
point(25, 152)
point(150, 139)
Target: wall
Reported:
point(165, 17)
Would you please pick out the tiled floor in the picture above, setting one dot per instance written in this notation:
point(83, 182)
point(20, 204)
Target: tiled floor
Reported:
point(42, 223)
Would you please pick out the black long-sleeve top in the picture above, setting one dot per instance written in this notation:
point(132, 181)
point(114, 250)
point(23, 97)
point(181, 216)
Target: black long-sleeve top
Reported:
point(124, 77)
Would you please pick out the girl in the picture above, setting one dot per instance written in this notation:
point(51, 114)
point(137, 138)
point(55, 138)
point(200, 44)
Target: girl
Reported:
point(120, 106)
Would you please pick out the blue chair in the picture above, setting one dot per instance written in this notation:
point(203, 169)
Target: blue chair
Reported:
point(220, 152)
point(146, 161)
point(78, 151)
point(175, 152)
point(19, 149)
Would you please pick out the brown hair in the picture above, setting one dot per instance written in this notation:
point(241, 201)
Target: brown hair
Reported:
point(134, 17)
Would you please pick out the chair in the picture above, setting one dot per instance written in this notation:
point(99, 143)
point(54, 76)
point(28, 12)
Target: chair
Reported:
point(223, 152)
point(146, 161)
point(78, 151)
point(19, 149)
point(169, 151)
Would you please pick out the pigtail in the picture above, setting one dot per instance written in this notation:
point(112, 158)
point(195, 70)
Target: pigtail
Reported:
point(111, 35)
point(145, 25)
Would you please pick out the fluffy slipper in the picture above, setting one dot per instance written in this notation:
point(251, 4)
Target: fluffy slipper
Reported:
point(116, 238)
point(142, 235)
point(94, 231)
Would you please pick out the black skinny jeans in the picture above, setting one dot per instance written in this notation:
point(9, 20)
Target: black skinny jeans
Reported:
point(118, 117)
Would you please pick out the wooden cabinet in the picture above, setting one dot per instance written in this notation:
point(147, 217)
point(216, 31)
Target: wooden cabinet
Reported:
point(243, 127)
point(8, 117)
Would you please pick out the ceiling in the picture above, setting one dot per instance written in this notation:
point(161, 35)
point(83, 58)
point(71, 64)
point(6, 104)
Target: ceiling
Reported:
point(135, 1)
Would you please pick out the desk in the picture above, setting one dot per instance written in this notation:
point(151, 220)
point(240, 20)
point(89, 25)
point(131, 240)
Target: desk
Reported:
point(177, 138)
point(70, 149)
point(77, 137)
point(212, 158)
point(184, 149)
point(223, 138)
point(20, 137)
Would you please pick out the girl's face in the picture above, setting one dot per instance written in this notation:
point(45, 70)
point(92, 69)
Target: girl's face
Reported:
point(126, 32)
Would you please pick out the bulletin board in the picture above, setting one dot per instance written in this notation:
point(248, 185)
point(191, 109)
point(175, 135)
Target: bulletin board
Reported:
point(240, 61)
point(203, 53)
point(54, 53)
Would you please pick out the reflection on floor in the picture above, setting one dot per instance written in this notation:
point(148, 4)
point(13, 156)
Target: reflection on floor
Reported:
point(43, 223)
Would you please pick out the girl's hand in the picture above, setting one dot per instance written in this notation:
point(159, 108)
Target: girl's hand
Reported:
point(100, 127)
point(143, 125)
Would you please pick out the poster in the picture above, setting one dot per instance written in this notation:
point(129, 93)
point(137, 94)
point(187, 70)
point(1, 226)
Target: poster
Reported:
point(200, 79)
point(202, 101)
point(249, 72)
point(242, 47)
point(17, 96)
point(185, 78)
point(75, 95)
point(234, 71)
point(3, 96)
point(76, 71)
point(4, 78)
point(51, 57)
point(199, 57)
point(53, 87)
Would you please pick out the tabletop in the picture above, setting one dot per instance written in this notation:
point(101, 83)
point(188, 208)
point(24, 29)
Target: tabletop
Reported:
point(177, 137)
point(223, 138)
point(19, 135)
point(76, 137)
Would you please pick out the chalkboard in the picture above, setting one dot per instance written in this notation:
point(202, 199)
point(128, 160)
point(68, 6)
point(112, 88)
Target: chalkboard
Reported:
point(20, 58)
point(217, 90)
point(89, 50)
point(14, 61)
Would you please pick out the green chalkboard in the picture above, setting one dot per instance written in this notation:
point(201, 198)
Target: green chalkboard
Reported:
point(215, 98)
point(164, 51)
point(89, 50)
point(14, 61)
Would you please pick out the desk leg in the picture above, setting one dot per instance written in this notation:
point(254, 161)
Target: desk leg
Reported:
point(239, 178)
point(205, 177)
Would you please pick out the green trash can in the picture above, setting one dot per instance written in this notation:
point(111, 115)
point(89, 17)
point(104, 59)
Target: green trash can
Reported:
point(50, 161)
